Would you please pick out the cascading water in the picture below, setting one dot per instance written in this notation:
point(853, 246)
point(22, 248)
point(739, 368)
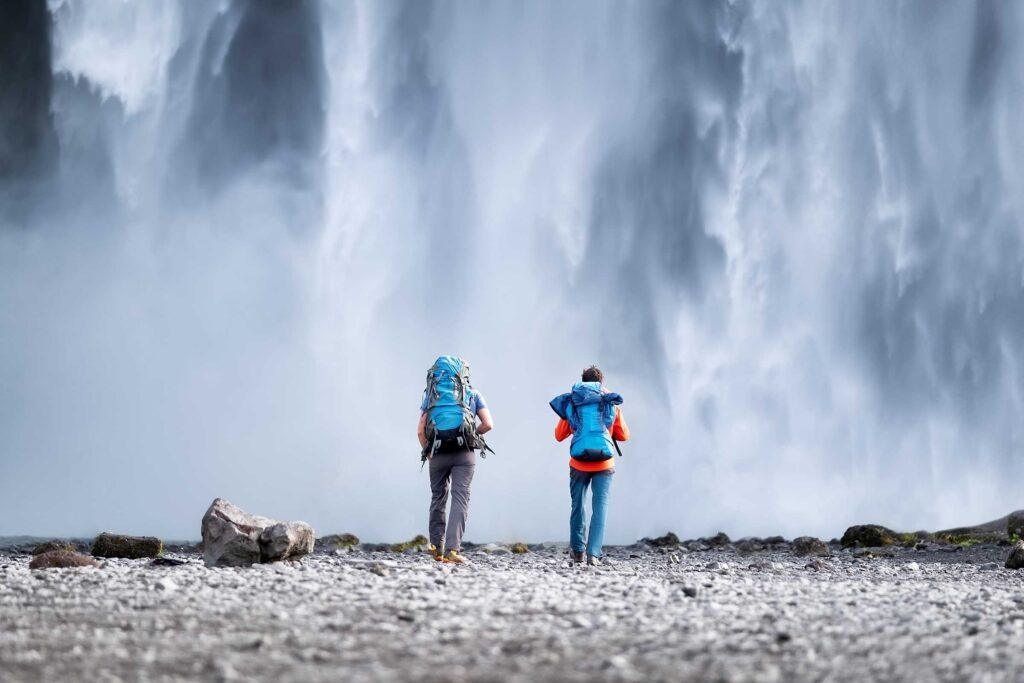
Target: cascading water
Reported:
point(236, 234)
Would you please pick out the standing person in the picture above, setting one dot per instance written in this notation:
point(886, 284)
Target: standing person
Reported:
point(448, 434)
point(591, 414)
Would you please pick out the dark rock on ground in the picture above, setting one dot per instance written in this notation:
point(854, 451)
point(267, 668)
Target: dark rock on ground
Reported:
point(808, 546)
point(129, 547)
point(47, 546)
point(167, 562)
point(669, 540)
point(775, 540)
point(719, 540)
point(61, 558)
point(519, 548)
point(1015, 560)
point(337, 541)
point(745, 546)
point(869, 536)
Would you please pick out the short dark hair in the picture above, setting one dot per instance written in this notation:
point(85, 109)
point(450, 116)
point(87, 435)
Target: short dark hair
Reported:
point(593, 374)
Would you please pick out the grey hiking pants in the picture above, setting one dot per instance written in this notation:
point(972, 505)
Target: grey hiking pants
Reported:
point(450, 471)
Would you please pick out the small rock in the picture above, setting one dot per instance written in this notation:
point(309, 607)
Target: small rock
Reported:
point(667, 541)
point(580, 621)
point(914, 566)
point(815, 564)
point(690, 591)
point(869, 536)
point(988, 566)
point(1015, 560)
point(809, 546)
point(166, 562)
point(337, 541)
point(719, 540)
point(47, 546)
point(61, 558)
point(748, 546)
point(130, 547)
point(166, 585)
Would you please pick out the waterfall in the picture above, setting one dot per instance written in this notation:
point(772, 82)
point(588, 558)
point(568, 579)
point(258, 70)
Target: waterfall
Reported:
point(235, 234)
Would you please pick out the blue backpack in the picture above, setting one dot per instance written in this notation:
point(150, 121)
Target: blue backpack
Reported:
point(451, 424)
point(591, 414)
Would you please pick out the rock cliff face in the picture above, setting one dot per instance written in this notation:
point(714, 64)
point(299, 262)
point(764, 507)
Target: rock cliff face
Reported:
point(234, 538)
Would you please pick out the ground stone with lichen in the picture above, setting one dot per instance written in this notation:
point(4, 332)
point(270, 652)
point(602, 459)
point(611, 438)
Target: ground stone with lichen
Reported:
point(940, 613)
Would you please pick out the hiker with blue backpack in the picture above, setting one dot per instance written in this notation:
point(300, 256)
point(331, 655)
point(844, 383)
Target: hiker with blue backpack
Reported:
point(449, 436)
point(591, 414)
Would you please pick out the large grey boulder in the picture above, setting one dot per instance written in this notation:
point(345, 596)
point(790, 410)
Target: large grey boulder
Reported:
point(234, 538)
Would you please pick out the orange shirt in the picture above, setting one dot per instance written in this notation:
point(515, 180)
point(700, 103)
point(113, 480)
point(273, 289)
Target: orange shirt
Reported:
point(620, 432)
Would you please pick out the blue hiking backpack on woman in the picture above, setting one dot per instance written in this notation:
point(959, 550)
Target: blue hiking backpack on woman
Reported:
point(451, 423)
point(591, 414)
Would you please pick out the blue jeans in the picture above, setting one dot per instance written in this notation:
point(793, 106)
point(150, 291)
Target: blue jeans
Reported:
point(600, 482)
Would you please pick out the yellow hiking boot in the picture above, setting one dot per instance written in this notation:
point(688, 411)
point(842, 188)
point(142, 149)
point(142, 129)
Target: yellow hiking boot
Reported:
point(454, 558)
point(436, 552)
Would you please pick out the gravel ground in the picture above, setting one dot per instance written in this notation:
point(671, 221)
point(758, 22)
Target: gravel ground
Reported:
point(648, 615)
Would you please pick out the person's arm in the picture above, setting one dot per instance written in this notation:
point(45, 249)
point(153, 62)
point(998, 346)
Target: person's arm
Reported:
point(620, 430)
point(421, 430)
point(486, 422)
point(562, 430)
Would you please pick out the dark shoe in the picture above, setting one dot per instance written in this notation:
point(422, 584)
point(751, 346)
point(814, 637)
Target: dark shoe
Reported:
point(577, 557)
point(593, 561)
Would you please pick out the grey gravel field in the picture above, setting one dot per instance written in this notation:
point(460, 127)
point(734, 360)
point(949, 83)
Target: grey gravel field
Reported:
point(649, 614)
